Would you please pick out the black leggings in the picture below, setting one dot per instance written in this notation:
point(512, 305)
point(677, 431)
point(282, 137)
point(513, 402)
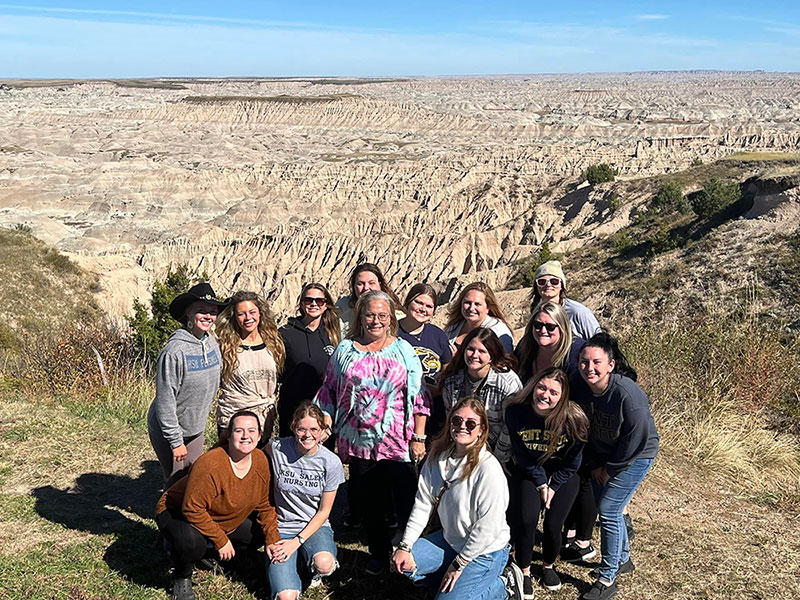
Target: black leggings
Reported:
point(525, 505)
point(186, 545)
point(583, 515)
point(380, 487)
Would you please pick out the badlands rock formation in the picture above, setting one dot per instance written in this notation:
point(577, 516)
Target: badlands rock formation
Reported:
point(266, 183)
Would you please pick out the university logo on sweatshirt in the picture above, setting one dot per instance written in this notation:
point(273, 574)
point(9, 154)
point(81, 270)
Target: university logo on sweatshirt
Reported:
point(196, 362)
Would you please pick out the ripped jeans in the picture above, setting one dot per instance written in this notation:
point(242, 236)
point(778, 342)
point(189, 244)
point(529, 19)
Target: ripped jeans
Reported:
point(286, 575)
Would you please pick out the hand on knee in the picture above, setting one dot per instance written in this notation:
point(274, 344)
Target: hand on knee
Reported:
point(288, 595)
point(324, 563)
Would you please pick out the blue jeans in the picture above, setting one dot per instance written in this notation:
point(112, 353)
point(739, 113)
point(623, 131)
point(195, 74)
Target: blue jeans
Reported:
point(611, 499)
point(480, 579)
point(286, 575)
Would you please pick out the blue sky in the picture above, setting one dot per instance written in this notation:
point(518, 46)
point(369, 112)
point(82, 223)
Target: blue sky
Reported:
point(341, 38)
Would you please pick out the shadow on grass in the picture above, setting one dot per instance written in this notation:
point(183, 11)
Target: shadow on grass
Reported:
point(98, 503)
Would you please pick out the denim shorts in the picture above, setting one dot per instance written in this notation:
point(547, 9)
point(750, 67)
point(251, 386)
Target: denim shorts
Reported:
point(286, 575)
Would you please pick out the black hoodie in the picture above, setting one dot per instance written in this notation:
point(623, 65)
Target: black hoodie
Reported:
point(307, 356)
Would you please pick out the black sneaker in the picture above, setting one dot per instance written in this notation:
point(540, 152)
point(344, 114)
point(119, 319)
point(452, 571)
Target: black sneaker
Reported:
point(527, 587)
point(600, 591)
point(375, 567)
point(575, 554)
point(550, 579)
point(624, 569)
point(515, 581)
point(182, 589)
point(629, 526)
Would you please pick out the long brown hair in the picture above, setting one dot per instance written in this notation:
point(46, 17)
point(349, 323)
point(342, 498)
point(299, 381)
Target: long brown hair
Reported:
point(356, 329)
point(372, 268)
point(454, 315)
point(501, 360)
point(330, 318)
point(227, 330)
point(566, 418)
point(528, 349)
point(443, 443)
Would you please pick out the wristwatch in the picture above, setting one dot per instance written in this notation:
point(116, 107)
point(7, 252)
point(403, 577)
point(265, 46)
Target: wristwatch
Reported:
point(300, 539)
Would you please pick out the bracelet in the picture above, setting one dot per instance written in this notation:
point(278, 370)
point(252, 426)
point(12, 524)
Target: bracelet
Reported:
point(418, 437)
point(300, 539)
point(459, 563)
point(404, 547)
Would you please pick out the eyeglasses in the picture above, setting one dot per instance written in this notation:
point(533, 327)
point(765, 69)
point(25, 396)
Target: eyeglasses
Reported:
point(314, 431)
point(382, 317)
point(553, 281)
point(312, 300)
point(457, 421)
point(539, 325)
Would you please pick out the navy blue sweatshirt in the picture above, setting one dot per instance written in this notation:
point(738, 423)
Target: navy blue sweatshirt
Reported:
point(622, 426)
point(529, 441)
point(307, 356)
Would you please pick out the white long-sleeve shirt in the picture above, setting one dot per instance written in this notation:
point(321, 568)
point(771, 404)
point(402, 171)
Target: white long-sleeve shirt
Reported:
point(472, 512)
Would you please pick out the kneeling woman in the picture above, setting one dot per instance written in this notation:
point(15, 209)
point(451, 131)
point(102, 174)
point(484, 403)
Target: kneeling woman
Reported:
point(307, 476)
point(215, 504)
point(547, 434)
point(464, 483)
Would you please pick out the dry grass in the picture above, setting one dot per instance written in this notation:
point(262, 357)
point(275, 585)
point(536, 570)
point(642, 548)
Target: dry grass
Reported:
point(763, 156)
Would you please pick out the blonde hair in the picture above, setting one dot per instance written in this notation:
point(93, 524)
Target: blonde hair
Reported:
point(528, 349)
point(227, 329)
point(454, 315)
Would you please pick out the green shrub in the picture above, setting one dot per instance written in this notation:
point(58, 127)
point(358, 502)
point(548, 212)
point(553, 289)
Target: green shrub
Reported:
point(613, 202)
point(23, 228)
point(697, 162)
point(715, 196)
point(621, 242)
point(601, 173)
point(663, 241)
point(152, 327)
point(669, 197)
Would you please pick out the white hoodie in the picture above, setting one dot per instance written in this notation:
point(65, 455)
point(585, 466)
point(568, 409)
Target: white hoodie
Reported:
point(472, 512)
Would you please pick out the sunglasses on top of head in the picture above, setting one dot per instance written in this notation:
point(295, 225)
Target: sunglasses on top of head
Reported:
point(539, 325)
point(553, 281)
point(457, 421)
point(311, 300)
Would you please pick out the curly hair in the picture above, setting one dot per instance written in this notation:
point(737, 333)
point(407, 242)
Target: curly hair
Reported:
point(228, 334)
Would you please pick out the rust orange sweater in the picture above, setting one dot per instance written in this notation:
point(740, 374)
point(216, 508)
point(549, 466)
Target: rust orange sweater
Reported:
point(216, 502)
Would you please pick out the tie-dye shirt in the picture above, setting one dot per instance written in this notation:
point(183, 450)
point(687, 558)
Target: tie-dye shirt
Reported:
point(372, 398)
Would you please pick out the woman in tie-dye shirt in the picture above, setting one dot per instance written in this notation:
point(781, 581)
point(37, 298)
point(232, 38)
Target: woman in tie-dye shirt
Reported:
point(374, 401)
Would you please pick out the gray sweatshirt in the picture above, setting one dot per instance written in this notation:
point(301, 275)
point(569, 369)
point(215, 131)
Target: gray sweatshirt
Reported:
point(187, 380)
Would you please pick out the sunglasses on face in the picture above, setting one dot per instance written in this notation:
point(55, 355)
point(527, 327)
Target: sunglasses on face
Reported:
point(456, 421)
point(553, 281)
point(310, 300)
point(539, 325)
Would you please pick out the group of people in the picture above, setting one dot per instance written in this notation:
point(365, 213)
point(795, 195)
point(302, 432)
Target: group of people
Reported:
point(456, 440)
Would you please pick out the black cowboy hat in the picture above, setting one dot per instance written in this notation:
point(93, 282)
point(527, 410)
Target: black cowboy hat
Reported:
point(201, 292)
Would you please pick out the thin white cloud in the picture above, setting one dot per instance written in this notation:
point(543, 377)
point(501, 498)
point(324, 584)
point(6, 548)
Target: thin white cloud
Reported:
point(156, 16)
point(652, 17)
